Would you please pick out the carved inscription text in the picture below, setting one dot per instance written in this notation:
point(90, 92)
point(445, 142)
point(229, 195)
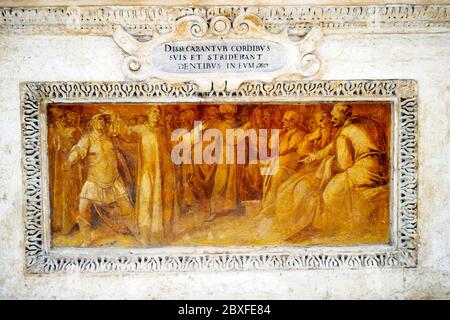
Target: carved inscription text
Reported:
point(243, 55)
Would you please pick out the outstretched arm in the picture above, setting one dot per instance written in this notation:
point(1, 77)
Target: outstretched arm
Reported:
point(118, 126)
point(319, 155)
point(78, 152)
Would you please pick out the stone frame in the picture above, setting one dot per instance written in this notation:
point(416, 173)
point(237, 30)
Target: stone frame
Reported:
point(41, 258)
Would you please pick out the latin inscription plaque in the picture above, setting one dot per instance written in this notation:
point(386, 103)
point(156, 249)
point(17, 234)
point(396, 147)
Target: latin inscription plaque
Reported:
point(243, 55)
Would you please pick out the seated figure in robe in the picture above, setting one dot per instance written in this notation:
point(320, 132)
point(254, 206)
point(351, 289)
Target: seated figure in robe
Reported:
point(298, 197)
point(282, 167)
point(356, 193)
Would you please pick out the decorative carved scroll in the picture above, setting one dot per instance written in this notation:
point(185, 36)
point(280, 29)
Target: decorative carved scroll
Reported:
point(296, 59)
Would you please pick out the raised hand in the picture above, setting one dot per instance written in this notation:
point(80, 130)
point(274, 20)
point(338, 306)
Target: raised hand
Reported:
point(310, 158)
point(204, 124)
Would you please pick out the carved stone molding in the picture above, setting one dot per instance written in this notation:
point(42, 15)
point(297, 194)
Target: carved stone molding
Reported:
point(40, 257)
point(146, 21)
point(292, 59)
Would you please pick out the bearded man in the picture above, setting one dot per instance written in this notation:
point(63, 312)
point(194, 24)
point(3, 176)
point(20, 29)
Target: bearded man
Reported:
point(354, 174)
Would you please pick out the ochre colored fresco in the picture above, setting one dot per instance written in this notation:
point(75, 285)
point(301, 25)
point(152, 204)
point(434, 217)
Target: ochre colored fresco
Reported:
point(113, 182)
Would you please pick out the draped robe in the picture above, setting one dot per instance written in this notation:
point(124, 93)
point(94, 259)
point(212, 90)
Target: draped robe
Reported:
point(156, 200)
point(341, 189)
point(66, 183)
point(225, 192)
point(298, 198)
point(357, 191)
point(281, 168)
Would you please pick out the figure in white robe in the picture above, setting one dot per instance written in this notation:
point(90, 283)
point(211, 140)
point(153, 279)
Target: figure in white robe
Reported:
point(156, 204)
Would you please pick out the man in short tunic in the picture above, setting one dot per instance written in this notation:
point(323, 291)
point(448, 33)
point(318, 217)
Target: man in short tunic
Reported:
point(104, 185)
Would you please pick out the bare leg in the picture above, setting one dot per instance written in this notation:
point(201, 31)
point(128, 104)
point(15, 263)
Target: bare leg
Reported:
point(212, 215)
point(84, 221)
